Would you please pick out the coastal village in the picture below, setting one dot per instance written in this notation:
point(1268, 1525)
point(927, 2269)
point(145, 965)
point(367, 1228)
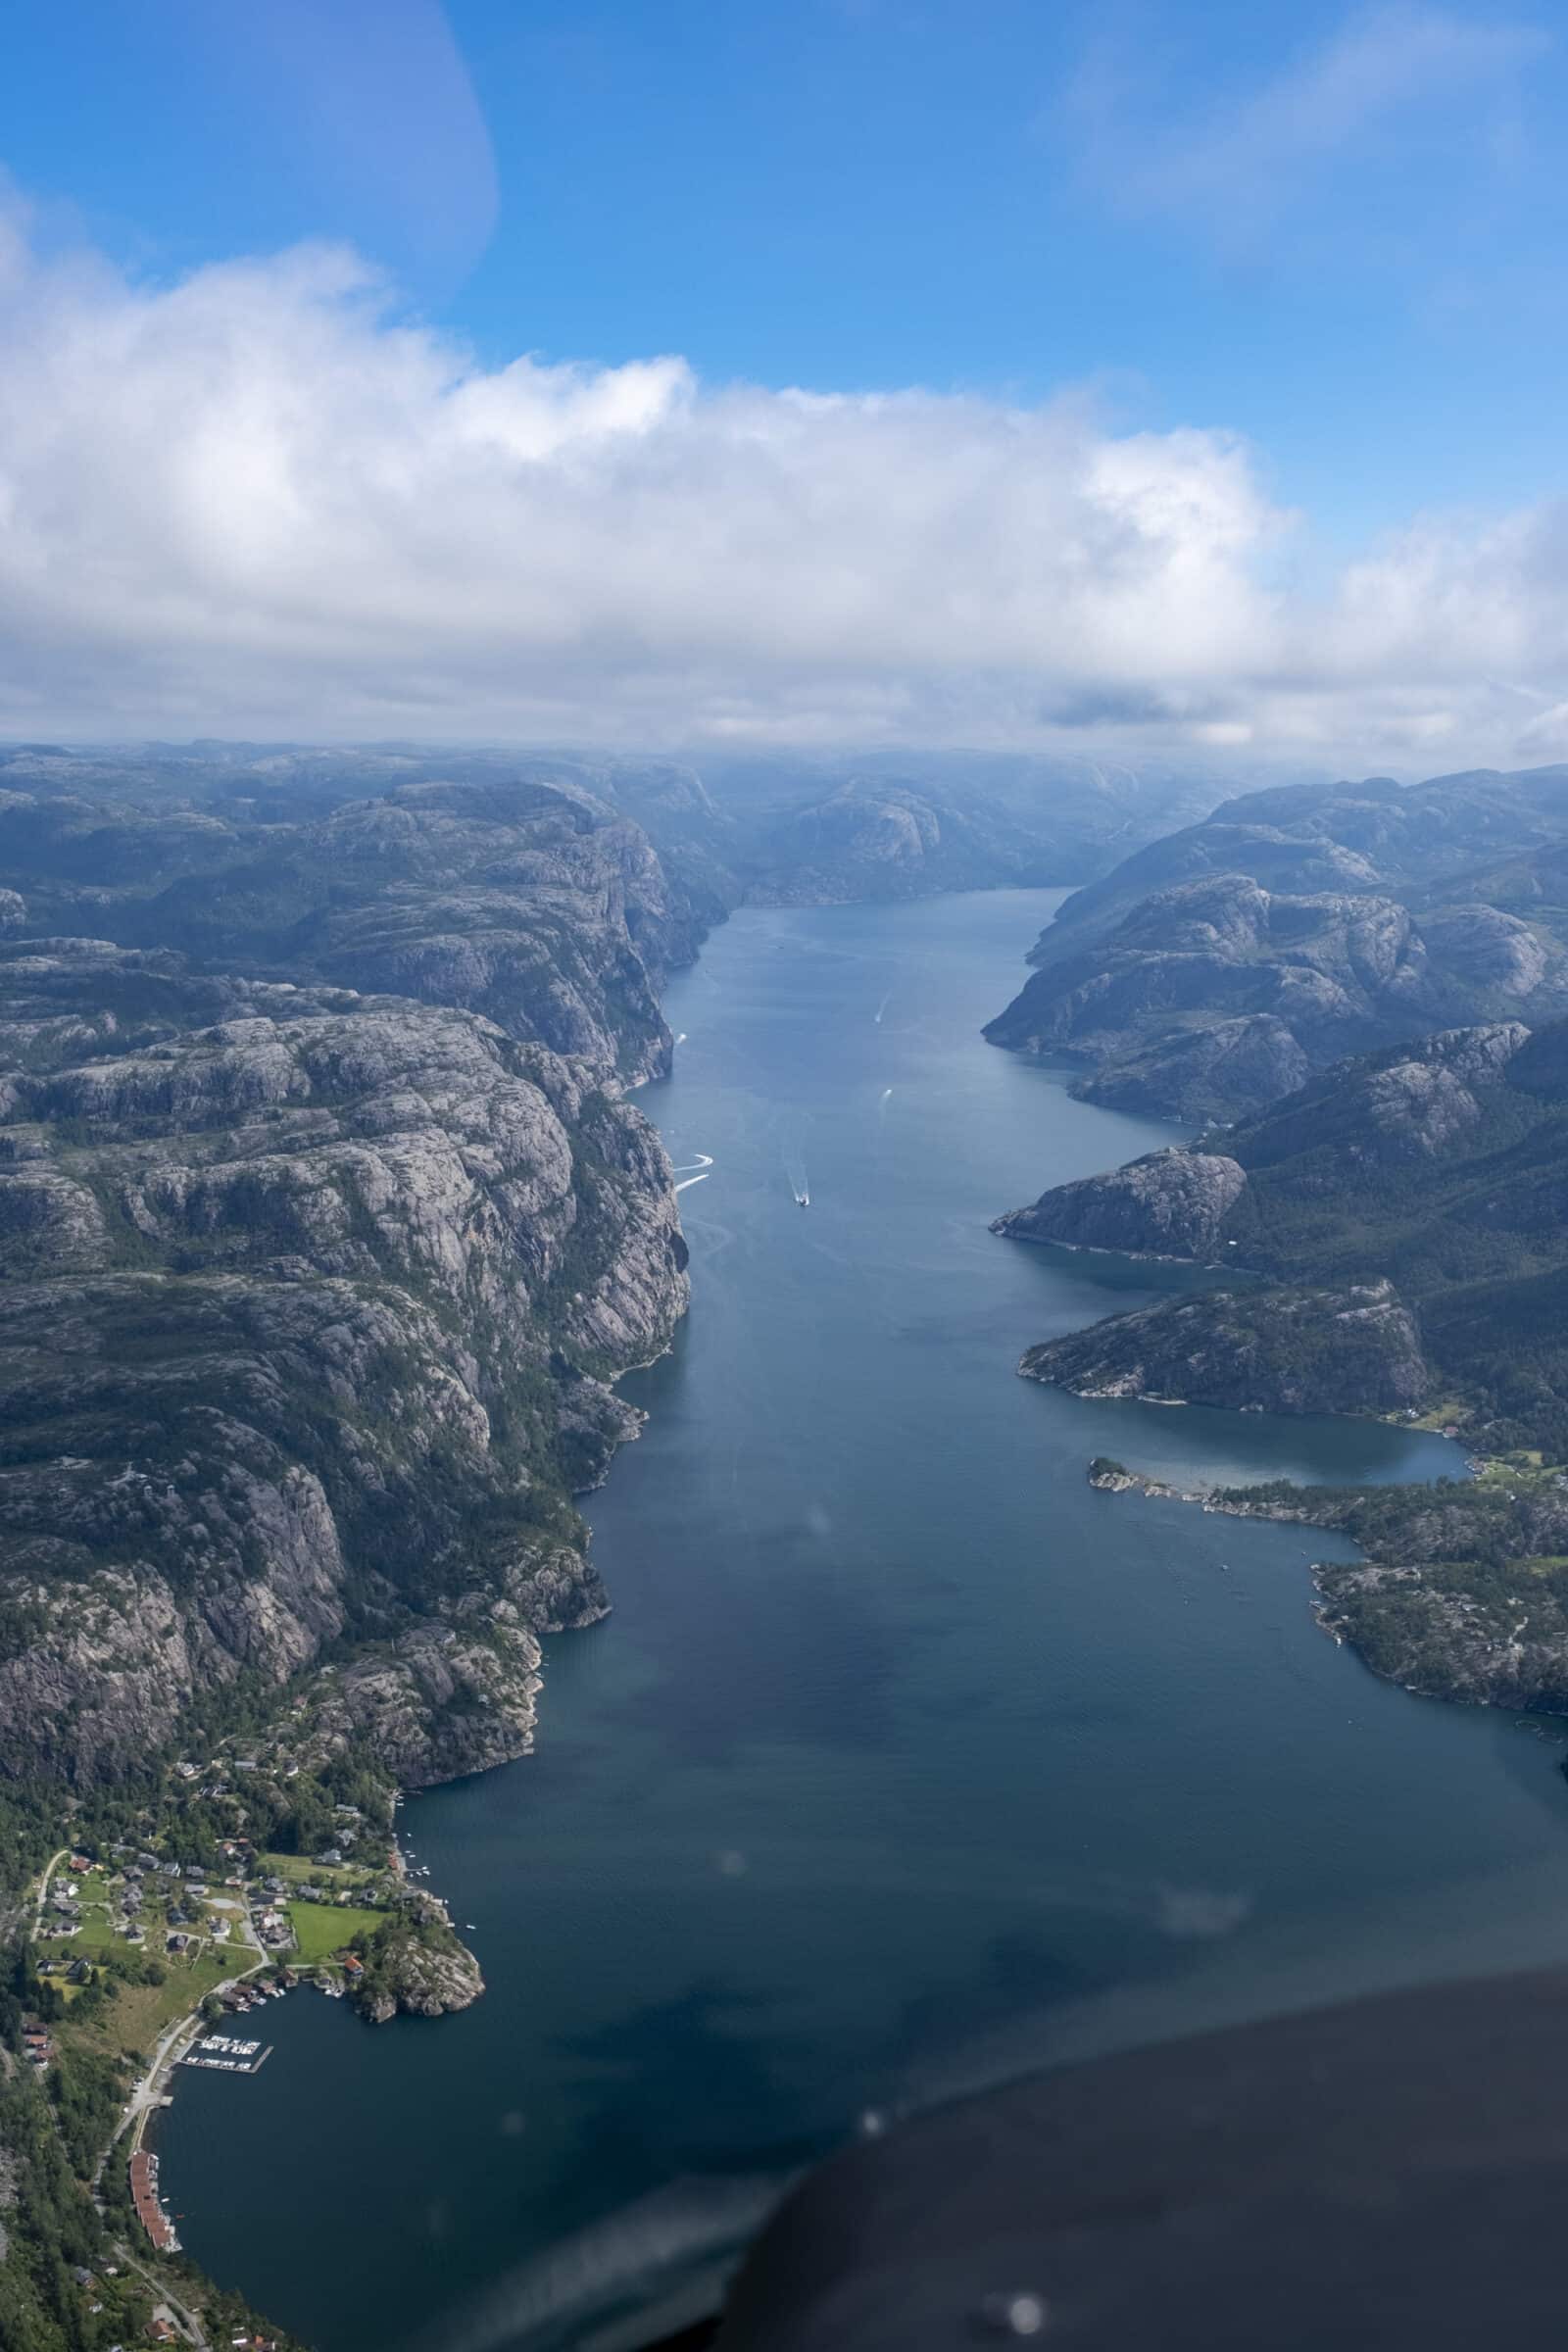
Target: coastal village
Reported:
point(187, 1940)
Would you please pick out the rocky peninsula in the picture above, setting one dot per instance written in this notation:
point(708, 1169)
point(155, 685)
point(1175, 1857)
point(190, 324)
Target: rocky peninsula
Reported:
point(1401, 1223)
point(1461, 1592)
point(413, 1965)
point(1284, 1349)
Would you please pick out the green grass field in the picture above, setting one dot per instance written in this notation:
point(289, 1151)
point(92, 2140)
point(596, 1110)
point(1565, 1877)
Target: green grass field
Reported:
point(136, 2018)
point(322, 1928)
point(297, 1869)
point(1440, 1416)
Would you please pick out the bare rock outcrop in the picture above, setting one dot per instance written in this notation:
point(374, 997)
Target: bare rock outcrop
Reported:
point(1167, 1204)
point(1286, 1350)
point(307, 1318)
point(1217, 969)
point(414, 1964)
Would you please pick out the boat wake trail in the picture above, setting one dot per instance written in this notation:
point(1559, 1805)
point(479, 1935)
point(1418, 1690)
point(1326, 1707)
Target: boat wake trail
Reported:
point(695, 1170)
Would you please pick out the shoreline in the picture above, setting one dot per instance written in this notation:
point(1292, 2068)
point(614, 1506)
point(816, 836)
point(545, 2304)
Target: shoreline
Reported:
point(1477, 1669)
point(998, 1370)
point(155, 2088)
point(154, 2091)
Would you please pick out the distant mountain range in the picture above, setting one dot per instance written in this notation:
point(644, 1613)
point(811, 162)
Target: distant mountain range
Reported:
point(797, 831)
point(1218, 968)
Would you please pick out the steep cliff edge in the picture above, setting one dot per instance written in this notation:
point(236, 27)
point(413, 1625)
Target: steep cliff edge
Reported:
point(883, 840)
point(95, 828)
point(306, 1315)
point(1477, 835)
point(530, 901)
point(1171, 1203)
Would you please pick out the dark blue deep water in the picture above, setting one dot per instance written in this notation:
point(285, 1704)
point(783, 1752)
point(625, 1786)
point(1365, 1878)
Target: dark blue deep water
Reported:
point(906, 1761)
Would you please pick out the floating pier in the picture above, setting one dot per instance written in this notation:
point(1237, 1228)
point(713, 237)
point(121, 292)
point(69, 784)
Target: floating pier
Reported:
point(222, 2054)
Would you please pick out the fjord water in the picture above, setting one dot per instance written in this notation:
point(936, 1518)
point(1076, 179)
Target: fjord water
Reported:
point(906, 1761)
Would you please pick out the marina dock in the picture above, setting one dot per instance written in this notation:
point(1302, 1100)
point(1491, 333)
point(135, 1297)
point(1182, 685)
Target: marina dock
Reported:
point(224, 2055)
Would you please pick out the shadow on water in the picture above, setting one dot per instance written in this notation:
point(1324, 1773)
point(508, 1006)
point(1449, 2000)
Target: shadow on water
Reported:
point(764, 1654)
point(712, 2061)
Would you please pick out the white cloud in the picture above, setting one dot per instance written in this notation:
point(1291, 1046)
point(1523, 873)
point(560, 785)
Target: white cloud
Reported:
point(255, 502)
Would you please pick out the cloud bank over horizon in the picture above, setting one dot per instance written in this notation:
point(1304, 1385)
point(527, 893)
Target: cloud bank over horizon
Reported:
point(258, 501)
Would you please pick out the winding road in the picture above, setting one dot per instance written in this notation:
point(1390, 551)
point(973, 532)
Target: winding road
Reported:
point(50, 1867)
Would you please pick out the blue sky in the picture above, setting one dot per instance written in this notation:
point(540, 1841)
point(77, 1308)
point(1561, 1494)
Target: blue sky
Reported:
point(1334, 231)
point(856, 193)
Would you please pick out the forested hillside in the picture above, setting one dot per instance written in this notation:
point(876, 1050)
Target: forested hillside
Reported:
point(1441, 1168)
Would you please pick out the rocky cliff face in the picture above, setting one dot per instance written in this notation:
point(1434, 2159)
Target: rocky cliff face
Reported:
point(1477, 837)
point(1442, 1162)
point(1371, 1140)
point(530, 901)
point(96, 829)
point(871, 840)
point(414, 1964)
point(1287, 1349)
point(306, 1319)
point(1212, 997)
point(457, 1690)
point(1214, 970)
point(532, 904)
point(1202, 1070)
point(1169, 1204)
